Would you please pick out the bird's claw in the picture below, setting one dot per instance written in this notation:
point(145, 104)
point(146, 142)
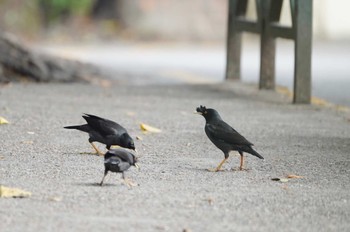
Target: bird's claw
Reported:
point(130, 183)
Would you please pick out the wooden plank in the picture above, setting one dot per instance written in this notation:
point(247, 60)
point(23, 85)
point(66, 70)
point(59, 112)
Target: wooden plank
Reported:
point(303, 49)
point(276, 30)
point(247, 25)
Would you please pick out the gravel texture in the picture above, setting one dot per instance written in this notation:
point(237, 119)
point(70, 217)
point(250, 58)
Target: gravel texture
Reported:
point(175, 191)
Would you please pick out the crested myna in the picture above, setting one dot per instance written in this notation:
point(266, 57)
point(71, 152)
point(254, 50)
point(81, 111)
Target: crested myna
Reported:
point(224, 136)
point(105, 131)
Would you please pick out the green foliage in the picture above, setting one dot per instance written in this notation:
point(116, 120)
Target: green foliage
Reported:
point(74, 6)
point(55, 10)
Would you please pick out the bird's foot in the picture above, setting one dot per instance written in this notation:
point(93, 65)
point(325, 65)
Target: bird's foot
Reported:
point(129, 183)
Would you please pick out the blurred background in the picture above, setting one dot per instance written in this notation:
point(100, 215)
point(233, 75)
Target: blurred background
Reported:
point(168, 41)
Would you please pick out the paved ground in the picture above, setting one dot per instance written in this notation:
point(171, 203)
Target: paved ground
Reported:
point(175, 191)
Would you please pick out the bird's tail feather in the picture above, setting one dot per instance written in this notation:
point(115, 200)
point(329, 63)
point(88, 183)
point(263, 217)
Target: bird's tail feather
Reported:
point(254, 153)
point(78, 127)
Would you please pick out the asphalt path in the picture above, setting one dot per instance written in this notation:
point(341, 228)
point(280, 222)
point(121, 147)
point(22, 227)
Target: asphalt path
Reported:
point(175, 191)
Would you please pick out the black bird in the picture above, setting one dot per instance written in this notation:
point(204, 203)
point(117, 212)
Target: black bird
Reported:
point(224, 136)
point(105, 131)
point(119, 160)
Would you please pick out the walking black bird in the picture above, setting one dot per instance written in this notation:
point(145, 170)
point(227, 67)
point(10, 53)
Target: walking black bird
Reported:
point(119, 160)
point(105, 131)
point(224, 136)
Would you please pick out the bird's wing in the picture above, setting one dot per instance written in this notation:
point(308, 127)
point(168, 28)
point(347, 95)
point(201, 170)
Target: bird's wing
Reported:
point(120, 153)
point(123, 166)
point(225, 132)
point(103, 126)
point(113, 160)
point(125, 156)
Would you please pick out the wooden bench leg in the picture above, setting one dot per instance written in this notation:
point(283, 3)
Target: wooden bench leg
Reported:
point(303, 47)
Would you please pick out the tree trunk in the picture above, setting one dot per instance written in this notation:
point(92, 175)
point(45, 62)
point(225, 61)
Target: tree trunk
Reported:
point(18, 62)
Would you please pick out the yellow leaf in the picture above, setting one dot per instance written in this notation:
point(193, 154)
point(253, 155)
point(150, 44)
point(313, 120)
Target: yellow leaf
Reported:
point(294, 177)
point(13, 192)
point(56, 199)
point(3, 121)
point(283, 180)
point(148, 128)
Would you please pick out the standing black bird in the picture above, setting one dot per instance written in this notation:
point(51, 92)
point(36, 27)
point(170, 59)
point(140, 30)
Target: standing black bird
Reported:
point(105, 131)
point(119, 160)
point(224, 136)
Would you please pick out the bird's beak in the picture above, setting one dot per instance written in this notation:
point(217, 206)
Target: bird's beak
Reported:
point(137, 166)
point(196, 112)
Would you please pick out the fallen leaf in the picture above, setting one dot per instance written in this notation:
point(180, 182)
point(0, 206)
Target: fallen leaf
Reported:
point(28, 142)
point(56, 199)
point(13, 192)
point(2, 157)
point(148, 128)
point(3, 121)
point(294, 176)
point(283, 180)
point(138, 138)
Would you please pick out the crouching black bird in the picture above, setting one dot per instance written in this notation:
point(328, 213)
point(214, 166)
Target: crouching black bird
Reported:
point(105, 131)
point(119, 160)
point(224, 136)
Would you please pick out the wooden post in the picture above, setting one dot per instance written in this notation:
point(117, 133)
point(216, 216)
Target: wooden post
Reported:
point(302, 22)
point(234, 39)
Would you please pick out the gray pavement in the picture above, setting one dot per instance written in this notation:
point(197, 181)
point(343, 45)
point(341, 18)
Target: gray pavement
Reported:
point(175, 191)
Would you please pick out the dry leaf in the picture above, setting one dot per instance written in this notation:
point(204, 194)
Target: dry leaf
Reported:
point(186, 230)
point(13, 192)
point(56, 199)
point(138, 138)
point(283, 180)
point(3, 121)
point(148, 128)
point(28, 142)
point(294, 176)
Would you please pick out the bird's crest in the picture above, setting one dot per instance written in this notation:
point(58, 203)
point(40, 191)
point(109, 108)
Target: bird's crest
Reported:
point(202, 109)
